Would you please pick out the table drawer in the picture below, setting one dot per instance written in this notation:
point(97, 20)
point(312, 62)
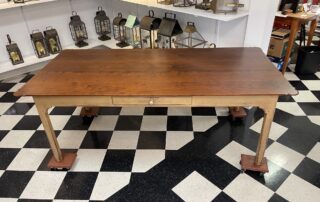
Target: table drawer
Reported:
point(152, 101)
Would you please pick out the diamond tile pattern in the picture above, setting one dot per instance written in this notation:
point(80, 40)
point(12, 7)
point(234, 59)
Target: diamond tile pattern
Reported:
point(160, 154)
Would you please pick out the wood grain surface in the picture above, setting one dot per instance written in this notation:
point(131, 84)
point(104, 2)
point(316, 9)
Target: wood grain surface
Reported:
point(160, 72)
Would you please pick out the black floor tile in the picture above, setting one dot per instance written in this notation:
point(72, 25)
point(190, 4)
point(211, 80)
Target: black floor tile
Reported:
point(28, 123)
point(249, 139)
point(285, 98)
point(4, 87)
point(12, 183)
point(307, 77)
point(3, 133)
point(179, 123)
point(39, 140)
point(19, 109)
point(62, 111)
point(6, 156)
point(26, 78)
point(33, 200)
point(110, 110)
point(310, 108)
point(152, 140)
point(96, 140)
point(129, 123)
point(309, 170)
point(118, 160)
point(222, 197)
point(9, 97)
point(203, 111)
point(155, 111)
point(317, 94)
point(78, 123)
point(277, 198)
point(298, 85)
point(77, 186)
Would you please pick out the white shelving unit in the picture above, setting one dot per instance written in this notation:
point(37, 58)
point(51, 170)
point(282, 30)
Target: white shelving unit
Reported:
point(9, 5)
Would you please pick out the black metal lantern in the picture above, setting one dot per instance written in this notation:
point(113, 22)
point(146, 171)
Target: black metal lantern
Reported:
point(149, 27)
point(203, 4)
point(225, 6)
point(39, 44)
point(14, 52)
point(168, 30)
point(191, 38)
point(165, 2)
point(132, 30)
point(78, 30)
point(102, 24)
point(19, 1)
point(119, 30)
point(52, 40)
point(184, 3)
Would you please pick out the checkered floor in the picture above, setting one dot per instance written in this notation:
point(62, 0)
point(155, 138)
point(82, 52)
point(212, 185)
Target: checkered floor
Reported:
point(161, 154)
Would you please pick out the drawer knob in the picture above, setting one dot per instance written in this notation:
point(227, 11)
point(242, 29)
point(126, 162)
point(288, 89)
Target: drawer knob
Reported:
point(151, 102)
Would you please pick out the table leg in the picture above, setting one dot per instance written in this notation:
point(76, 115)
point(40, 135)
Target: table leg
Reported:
point(293, 32)
point(313, 27)
point(60, 160)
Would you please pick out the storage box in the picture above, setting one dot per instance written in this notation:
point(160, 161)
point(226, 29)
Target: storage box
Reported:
point(278, 47)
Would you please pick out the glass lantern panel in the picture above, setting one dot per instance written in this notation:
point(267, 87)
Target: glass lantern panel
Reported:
point(145, 38)
point(166, 42)
point(98, 27)
point(105, 27)
point(187, 40)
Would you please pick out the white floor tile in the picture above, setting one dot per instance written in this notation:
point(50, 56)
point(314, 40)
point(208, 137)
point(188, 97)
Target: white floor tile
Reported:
point(283, 156)
point(312, 84)
point(291, 108)
point(318, 74)
point(177, 139)
point(9, 121)
point(8, 200)
point(103, 123)
point(275, 132)
point(290, 76)
point(25, 99)
point(195, 187)
point(124, 140)
point(58, 122)
point(71, 139)
point(232, 153)
point(144, 160)
point(4, 107)
point(59, 200)
point(154, 123)
point(203, 123)
point(33, 111)
point(16, 138)
point(222, 111)
point(315, 119)
point(77, 111)
point(132, 111)
point(108, 183)
point(1, 172)
point(2, 93)
point(43, 185)
point(14, 79)
point(246, 189)
point(28, 159)
point(305, 96)
point(89, 160)
point(314, 154)
point(179, 111)
point(16, 87)
point(296, 189)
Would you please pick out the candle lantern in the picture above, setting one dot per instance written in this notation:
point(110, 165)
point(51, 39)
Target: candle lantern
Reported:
point(119, 30)
point(165, 2)
point(102, 24)
point(39, 44)
point(132, 30)
point(14, 52)
point(225, 6)
point(203, 4)
point(149, 27)
point(19, 1)
point(78, 30)
point(168, 30)
point(183, 3)
point(52, 40)
point(191, 38)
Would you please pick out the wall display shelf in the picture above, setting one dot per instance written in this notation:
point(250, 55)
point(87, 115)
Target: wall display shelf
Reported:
point(191, 10)
point(9, 5)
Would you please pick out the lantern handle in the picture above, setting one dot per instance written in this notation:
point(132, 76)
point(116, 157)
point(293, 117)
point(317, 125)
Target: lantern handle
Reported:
point(151, 13)
point(49, 27)
point(74, 13)
point(120, 15)
point(172, 15)
point(9, 39)
point(212, 45)
point(190, 23)
point(35, 30)
point(99, 8)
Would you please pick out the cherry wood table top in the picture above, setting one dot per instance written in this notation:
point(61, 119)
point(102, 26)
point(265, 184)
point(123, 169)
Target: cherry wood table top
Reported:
point(159, 72)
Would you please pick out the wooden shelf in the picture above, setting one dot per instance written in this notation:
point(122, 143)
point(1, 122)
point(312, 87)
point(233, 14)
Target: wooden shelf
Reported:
point(191, 10)
point(9, 5)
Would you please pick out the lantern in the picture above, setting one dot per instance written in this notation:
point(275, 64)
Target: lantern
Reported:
point(52, 40)
point(18, 1)
point(14, 52)
point(183, 3)
point(102, 24)
point(149, 27)
point(132, 30)
point(165, 2)
point(204, 5)
point(39, 44)
point(119, 30)
point(225, 6)
point(168, 30)
point(78, 30)
point(191, 38)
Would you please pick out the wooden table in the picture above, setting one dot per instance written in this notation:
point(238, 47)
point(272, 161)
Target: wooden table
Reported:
point(296, 19)
point(171, 77)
